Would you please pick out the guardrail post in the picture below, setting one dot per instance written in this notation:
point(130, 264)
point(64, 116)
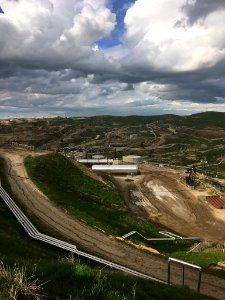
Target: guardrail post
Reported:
point(199, 280)
point(168, 277)
point(183, 276)
point(183, 263)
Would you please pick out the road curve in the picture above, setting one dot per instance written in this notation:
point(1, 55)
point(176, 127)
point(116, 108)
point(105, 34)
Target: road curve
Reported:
point(35, 234)
point(94, 241)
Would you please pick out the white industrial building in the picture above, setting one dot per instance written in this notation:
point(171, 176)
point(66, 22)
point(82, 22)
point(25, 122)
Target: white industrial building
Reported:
point(96, 161)
point(122, 169)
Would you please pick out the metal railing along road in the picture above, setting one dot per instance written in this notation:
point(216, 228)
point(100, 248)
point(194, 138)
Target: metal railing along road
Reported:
point(170, 236)
point(34, 233)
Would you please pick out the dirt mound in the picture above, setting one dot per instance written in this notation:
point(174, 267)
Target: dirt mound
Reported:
point(160, 195)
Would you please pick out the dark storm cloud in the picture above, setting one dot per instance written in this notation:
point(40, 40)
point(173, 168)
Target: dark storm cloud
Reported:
point(39, 81)
point(198, 87)
point(200, 9)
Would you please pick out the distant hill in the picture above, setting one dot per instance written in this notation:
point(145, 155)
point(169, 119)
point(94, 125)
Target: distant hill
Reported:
point(200, 119)
point(205, 119)
point(130, 120)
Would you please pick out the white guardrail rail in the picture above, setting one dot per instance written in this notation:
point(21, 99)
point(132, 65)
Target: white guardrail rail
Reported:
point(170, 236)
point(34, 233)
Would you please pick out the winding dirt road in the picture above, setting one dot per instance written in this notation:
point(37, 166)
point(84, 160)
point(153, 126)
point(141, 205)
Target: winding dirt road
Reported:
point(94, 241)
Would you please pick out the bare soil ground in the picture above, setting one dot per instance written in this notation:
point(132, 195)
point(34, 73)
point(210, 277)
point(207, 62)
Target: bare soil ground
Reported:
point(94, 241)
point(158, 194)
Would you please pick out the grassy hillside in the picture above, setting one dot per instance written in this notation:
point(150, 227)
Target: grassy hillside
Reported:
point(196, 120)
point(129, 120)
point(97, 203)
point(205, 119)
point(61, 276)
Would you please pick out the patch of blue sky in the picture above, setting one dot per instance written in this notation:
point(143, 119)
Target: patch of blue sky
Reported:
point(119, 7)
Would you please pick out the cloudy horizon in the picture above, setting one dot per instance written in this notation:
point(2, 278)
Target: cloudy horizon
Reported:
point(100, 57)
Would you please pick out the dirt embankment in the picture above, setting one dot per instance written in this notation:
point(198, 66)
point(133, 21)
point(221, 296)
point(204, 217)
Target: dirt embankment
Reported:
point(160, 196)
point(93, 240)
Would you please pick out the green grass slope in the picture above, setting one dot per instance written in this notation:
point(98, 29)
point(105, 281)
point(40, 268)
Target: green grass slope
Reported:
point(96, 203)
point(200, 120)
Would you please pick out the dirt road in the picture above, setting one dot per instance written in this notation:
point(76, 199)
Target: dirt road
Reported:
point(93, 240)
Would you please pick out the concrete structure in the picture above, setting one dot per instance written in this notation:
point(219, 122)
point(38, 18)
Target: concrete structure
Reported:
point(135, 159)
point(116, 169)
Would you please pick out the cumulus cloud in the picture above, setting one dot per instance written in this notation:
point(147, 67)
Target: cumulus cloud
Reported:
point(54, 34)
point(157, 41)
point(171, 52)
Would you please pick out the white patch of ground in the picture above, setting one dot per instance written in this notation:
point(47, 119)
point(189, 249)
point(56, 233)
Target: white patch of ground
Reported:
point(160, 191)
point(141, 200)
point(139, 196)
point(177, 206)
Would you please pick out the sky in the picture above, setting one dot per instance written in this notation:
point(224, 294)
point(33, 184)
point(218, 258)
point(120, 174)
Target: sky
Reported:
point(101, 57)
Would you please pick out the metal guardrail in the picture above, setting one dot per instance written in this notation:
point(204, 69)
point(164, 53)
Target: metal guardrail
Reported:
point(185, 264)
point(170, 236)
point(34, 233)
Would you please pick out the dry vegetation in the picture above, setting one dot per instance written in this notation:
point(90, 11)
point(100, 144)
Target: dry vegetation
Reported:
point(16, 284)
